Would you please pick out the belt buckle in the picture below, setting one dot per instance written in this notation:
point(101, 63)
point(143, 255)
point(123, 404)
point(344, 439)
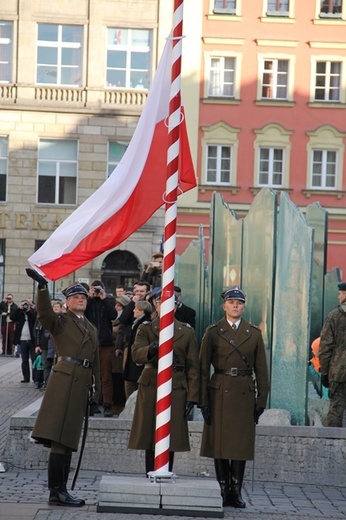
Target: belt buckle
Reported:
point(234, 371)
point(86, 363)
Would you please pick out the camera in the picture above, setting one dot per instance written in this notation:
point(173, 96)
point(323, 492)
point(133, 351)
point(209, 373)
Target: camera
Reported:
point(25, 306)
point(97, 290)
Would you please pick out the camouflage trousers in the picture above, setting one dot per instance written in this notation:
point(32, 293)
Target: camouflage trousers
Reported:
point(337, 404)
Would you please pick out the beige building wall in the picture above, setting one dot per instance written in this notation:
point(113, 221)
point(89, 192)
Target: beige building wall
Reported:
point(90, 114)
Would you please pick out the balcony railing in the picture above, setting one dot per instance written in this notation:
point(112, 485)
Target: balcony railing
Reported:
point(79, 98)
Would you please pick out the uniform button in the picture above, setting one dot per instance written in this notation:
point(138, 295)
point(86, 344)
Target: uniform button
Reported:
point(226, 391)
point(75, 380)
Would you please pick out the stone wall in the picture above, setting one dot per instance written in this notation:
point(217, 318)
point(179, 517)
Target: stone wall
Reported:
point(290, 454)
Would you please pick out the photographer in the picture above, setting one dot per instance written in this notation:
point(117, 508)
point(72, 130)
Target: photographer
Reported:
point(153, 273)
point(100, 311)
point(24, 317)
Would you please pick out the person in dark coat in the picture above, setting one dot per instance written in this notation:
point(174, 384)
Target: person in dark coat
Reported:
point(185, 386)
point(101, 312)
point(153, 272)
point(234, 396)
point(24, 317)
point(333, 359)
point(60, 418)
point(184, 313)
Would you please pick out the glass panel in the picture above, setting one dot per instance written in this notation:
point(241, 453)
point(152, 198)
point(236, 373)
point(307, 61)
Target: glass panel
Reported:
point(72, 33)
point(331, 280)
point(259, 246)
point(68, 169)
point(3, 182)
point(47, 32)
point(191, 276)
point(291, 321)
point(57, 149)
point(67, 190)
point(6, 50)
point(46, 189)
point(47, 168)
point(225, 252)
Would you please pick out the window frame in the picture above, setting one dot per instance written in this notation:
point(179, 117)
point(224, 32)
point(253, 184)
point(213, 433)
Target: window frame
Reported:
point(10, 42)
point(60, 45)
point(220, 134)
point(331, 18)
point(291, 59)
point(233, 13)
point(326, 137)
point(273, 135)
point(324, 163)
point(129, 49)
point(5, 158)
point(271, 161)
point(342, 90)
point(218, 169)
point(57, 176)
point(208, 56)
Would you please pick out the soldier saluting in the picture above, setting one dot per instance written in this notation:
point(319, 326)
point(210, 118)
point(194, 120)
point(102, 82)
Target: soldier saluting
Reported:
point(59, 422)
point(234, 397)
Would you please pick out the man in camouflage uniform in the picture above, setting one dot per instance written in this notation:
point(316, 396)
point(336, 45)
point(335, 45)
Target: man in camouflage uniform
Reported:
point(333, 359)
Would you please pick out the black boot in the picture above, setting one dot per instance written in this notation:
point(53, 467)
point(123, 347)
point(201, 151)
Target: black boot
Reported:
point(149, 461)
point(57, 481)
point(237, 475)
point(222, 476)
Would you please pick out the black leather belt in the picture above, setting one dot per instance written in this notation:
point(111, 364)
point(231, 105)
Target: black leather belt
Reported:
point(234, 372)
point(83, 362)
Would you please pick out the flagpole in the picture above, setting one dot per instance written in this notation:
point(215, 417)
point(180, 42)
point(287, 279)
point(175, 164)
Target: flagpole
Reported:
point(164, 376)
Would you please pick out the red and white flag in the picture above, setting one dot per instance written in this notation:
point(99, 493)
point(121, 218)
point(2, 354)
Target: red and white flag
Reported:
point(128, 198)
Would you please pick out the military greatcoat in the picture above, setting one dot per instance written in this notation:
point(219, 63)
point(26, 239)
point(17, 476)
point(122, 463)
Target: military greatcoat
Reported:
point(61, 414)
point(185, 386)
point(231, 398)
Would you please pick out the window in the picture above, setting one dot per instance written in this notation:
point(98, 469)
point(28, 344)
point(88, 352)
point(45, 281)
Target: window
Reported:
point(3, 167)
point(324, 168)
point(331, 7)
point(271, 166)
point(225, 6)
point(128, 58)
point(221, 77)
point(327, 81)
point(116, 151)
point(272, 156)
point(59, 54)
point(218, 164)
point(6, 51)
point(277, 7)
point(57, 171)
point(275, 79)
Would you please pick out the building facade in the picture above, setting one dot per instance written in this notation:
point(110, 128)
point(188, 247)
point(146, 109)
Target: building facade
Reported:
point(272, 106)
point(264, 89)
point(74, 76)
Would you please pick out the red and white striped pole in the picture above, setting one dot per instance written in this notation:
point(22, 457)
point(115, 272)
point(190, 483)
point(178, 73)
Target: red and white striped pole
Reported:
point(164, 376)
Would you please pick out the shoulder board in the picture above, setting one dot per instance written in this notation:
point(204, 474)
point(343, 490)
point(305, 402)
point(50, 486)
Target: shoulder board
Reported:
point(145, 323)
point(186, 325)
point(254, 326)
point(212, 326)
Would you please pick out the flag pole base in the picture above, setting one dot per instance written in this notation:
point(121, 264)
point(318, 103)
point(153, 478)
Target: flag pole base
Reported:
point(155, 476)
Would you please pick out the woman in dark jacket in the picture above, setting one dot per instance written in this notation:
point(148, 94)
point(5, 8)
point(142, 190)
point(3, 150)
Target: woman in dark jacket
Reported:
point(132, 371)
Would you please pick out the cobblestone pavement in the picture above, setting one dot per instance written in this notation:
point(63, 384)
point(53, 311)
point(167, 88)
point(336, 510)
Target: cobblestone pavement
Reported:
point(23, 494)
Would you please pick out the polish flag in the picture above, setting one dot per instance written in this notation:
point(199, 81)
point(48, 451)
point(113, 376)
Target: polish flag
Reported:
point(132, 193)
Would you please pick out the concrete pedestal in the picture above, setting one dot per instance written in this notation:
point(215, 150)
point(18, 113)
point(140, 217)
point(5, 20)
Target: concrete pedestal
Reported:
point(183, 496)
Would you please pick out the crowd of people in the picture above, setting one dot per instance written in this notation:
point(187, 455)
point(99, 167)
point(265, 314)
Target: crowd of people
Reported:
point(92, 352)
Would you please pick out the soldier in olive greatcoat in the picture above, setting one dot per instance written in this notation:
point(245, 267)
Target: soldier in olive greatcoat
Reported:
point(60, 418)
point(333, 359)
point(185, 385)
point(234, 396)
